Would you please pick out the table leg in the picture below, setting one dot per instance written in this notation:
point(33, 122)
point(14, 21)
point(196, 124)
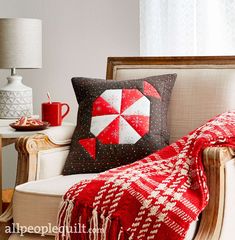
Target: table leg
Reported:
point(3, 142)
point(1, 175)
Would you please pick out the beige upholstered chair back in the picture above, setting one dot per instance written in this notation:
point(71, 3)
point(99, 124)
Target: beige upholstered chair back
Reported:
point(205, 86)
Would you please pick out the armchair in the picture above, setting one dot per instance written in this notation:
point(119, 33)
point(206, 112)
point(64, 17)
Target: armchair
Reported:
point(203, 89)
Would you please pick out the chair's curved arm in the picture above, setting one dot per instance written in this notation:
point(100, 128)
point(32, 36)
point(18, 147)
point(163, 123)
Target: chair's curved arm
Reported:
point(214, 159)
point(28, 149)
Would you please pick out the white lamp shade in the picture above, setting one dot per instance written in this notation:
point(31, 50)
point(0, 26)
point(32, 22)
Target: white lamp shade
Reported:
point(20, 43)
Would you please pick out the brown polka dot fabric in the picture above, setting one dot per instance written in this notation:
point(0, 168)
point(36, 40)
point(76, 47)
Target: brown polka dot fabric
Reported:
point(118, 122)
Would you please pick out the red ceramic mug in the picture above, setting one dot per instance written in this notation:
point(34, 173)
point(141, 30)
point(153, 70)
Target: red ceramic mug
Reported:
point(52, 112)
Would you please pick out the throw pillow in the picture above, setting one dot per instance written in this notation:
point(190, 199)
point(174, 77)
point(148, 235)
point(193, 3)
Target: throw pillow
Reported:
point(118, 122)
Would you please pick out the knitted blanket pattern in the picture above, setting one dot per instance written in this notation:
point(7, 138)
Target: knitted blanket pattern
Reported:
point(153, 198)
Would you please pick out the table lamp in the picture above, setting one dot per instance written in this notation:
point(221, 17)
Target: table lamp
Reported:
point(20, 47)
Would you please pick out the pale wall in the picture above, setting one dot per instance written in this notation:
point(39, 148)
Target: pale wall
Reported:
point(78, 36)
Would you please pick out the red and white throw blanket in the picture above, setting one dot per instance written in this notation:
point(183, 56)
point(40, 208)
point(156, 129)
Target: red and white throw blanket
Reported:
point(153, 198)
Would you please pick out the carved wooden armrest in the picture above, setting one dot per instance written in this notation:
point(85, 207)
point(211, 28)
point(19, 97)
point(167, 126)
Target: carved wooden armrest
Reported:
point(28, 148)
point(214, 159)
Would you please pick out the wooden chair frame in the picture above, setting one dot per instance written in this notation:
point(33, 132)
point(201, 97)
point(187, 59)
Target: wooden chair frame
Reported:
point(214, 158)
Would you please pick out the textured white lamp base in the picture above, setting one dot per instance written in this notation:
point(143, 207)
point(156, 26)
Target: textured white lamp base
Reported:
point(15, 99)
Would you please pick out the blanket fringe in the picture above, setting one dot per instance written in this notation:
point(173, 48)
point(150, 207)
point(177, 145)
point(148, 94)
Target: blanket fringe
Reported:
point(60, 218)
point(67, 219)
point(94, 234)
point(102, 218)
point(106, 227)
point(104, 223)
point(120, 234)
point(64, 219)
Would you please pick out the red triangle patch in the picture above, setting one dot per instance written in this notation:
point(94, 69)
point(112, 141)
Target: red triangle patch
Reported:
point(90, 145)
point(129, 96)
point(139, 122)
point(101, 107)
point(149, 90)
point(110, 135)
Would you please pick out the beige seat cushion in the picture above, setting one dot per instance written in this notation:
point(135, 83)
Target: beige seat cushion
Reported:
point(36, 203)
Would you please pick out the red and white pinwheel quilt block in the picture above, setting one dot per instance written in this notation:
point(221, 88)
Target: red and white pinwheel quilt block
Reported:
point(120, 116)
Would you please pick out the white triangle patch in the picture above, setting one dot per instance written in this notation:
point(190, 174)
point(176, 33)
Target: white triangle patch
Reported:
point(127, 135)
point(99, 123)
point(140, 107)
point(113, 97)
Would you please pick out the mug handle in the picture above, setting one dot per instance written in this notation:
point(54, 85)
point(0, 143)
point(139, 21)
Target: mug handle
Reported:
point(67, 111)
